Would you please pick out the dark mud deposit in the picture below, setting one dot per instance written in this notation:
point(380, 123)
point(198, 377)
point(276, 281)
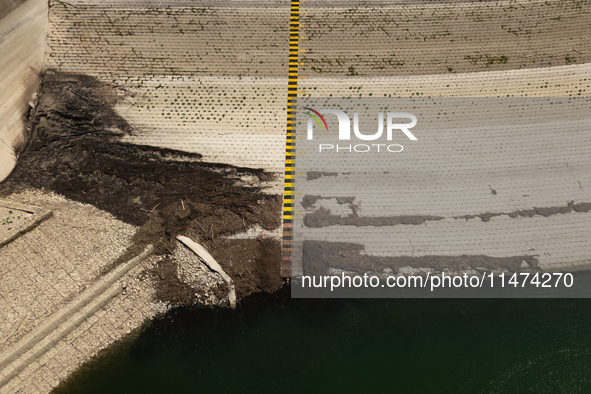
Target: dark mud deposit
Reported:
point(318, 256)
point(311, 175)
point(74, 150)
point(323, 217)
point(528, 213)
point(308, 201)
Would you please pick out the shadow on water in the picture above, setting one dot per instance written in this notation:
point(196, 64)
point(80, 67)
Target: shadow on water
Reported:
point(278, 344)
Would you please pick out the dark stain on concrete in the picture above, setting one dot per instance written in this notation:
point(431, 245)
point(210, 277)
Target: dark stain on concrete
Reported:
point(311, 175)
point(308, 201)
point(528, 213)
point(324, 218)
point(319, 256)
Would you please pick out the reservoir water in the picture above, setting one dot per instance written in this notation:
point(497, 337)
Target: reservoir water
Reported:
point(277, 344)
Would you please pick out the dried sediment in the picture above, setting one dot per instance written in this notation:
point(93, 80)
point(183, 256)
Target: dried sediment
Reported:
point(75, 150)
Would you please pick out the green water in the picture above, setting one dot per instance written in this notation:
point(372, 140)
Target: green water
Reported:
point(355, 346)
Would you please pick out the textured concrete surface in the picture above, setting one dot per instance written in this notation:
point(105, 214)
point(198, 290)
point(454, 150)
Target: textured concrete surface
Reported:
point(384, 38)
point(57, 308)
point(65, 320)
point(207, 78)
point(44, 268)
point(22, 43)
point(427, 50)
point(559, 81)
point(17, 219)
point(498, 177)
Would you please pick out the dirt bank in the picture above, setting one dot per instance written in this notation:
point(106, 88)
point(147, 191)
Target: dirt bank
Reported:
point(74, 150)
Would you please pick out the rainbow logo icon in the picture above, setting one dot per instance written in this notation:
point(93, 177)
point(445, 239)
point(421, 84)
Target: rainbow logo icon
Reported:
point(316, 118)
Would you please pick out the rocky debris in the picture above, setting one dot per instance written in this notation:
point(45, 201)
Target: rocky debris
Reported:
point(204, 256)
point(208, 287)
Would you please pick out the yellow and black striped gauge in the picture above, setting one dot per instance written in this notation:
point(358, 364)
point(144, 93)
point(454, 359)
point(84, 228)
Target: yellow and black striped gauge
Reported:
point(292, 97)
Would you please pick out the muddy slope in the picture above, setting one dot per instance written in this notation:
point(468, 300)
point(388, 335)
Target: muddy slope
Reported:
point(74, 150)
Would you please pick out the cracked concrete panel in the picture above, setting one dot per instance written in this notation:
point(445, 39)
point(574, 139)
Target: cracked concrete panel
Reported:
point(501, 178)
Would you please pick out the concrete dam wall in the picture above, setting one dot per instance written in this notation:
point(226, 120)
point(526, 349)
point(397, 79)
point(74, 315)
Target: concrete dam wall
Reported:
point(159, 119)
point(23, 29)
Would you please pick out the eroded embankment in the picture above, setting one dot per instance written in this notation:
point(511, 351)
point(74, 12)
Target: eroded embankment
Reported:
point(74, 150)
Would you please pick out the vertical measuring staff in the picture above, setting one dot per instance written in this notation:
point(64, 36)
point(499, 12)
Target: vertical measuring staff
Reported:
point(292, 96)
